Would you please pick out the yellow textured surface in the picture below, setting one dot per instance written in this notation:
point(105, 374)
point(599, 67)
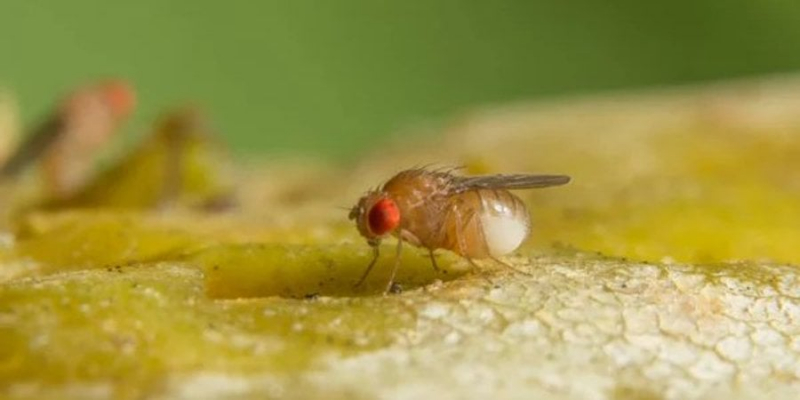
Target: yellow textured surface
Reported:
point(666, 270)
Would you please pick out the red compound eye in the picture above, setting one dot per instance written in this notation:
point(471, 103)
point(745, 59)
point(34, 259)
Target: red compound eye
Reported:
point(384, 217)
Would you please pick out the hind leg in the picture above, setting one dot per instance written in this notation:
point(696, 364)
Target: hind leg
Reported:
point(511, 267)
point(433, 261)
point(395, 267)
point(483, 239)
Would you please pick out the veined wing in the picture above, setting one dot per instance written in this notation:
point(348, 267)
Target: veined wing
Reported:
point(507, 181)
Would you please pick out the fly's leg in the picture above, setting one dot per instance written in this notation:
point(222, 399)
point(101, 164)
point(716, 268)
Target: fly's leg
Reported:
point(476, 268)
point(375, 254)
point(461, 244)
point(511, 267)
point(482, 234)
point(459, 227)
point(472, 263)
point(433, 261)
point(395, 267)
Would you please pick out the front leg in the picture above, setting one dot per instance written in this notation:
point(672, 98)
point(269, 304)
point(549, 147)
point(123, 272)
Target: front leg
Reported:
point(375, 254)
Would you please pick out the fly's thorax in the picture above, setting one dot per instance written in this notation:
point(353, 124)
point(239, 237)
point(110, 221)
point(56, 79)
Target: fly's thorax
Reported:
point(422, 198)
point(485, 223)
point(418, 185)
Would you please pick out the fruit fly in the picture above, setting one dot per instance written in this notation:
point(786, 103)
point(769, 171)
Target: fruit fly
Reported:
point(82, 123)
point(475, 217)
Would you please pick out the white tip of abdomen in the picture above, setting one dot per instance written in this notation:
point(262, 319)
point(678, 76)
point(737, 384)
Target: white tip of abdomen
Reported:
point(504, 232)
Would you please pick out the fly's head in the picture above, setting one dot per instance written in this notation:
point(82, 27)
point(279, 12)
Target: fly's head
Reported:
point(376, 216)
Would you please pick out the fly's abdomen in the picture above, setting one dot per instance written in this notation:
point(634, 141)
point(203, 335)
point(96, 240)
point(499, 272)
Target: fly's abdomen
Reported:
point(505, 221)
point(485, 223)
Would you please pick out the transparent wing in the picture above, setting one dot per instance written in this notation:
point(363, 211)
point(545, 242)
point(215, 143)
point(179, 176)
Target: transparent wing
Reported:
point(507, 182)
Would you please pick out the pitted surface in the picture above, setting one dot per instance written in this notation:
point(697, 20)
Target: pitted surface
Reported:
point(585, 330)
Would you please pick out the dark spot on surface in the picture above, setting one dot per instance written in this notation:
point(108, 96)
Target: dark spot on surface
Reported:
point(215, 268)
point(311, 296)
point(624, 285)
point(396, 288)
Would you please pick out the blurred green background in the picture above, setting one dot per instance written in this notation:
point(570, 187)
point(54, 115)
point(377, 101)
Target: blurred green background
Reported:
point(332, 77)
